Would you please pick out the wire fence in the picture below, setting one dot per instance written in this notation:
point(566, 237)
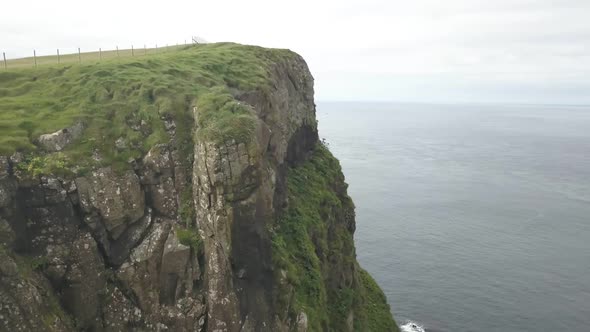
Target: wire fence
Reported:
point(86, 57)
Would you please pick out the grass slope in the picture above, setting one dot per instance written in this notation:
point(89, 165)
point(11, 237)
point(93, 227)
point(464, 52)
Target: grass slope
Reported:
point(128, 98)
point(84, 57)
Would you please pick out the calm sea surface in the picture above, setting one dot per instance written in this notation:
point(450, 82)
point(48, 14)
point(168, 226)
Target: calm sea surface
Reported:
point(471, 217)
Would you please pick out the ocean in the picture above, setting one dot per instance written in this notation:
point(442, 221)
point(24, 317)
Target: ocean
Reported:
point(470, 217)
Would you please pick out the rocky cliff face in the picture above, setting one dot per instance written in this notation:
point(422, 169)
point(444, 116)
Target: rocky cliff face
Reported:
point(236, 231)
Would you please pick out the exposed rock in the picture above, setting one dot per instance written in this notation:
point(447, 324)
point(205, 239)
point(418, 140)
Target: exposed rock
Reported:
point(54, 192)
point(58, 140)
point(51, 219)
point(158, 176)
point(8, 267)
point(302, 322)
point(7, 191)
point(215, 221)
point(120, 314)
point(118, 199)
point(7, 185)
point(169, 125)
point(182, 173)
point(17, 157)
point(161, 273)
point(121, 144)
point(96, 155)
point(157, 163)
point(7, 235)
point(140, 272)
point(163, 198)
point(350, 321)
point(27, 302)
point(85, 283)
point(236, 192)
point(118, 250)
point(186, 315)
point(176, 274)
point(57, 256)
point(4, 167)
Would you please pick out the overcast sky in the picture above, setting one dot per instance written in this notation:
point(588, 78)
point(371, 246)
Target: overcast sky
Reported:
point(530, 51)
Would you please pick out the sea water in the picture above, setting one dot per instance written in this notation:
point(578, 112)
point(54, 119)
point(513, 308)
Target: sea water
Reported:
point(470, 217)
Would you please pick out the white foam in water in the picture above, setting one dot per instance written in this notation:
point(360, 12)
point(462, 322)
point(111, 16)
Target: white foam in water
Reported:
point(410, 326)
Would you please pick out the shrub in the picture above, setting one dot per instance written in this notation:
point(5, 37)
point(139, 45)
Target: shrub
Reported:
point(190, 237)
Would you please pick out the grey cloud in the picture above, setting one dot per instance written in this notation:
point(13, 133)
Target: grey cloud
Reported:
point(372, 49)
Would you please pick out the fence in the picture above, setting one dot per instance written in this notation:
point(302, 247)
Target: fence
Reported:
point(81, 57)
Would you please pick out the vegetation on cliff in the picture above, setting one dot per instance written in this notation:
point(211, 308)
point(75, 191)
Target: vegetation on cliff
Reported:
point(313, 251)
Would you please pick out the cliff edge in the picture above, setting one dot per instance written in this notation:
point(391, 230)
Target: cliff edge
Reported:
point(184, 191)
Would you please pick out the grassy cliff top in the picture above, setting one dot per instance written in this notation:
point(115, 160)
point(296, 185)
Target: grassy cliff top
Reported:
point(128, 100)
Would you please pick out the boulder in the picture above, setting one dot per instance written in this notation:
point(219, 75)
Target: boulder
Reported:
point(58, 140)
point(118, 250)
point(141, 270)
point(302, 322)
point(118, 199)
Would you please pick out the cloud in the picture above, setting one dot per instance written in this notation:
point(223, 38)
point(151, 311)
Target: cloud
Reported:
point(426, 49)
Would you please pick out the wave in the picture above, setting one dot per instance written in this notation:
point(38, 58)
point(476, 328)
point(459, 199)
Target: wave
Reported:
point(411, 326)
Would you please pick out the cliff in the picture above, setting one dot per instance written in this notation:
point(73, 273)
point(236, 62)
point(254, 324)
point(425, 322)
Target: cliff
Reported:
point(186, 191)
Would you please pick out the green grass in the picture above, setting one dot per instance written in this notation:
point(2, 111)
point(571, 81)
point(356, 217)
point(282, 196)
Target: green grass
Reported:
point(317, 195)
point(190, 238)
point(84, 57)
point(48, 164)
point(187, 211)
point(293, 248)
point(374, 314)
point(127, 98)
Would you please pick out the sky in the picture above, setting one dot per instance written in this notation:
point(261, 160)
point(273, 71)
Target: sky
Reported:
point(501, 51)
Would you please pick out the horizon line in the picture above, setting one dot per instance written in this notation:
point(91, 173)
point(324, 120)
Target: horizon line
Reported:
point(377, 101)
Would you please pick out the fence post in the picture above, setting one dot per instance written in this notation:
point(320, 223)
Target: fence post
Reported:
point(79, 56)
point(4, 56)
point(117, 51)
point(35, 57)
point(144, 50)
point(99, 54)
point(132, 52)
point(58, 56)
point(185, 42)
